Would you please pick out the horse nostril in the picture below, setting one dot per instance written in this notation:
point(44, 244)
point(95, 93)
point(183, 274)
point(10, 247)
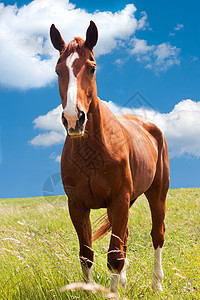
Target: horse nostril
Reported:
point(71, 130)
point(64, 121)
point(81, 117)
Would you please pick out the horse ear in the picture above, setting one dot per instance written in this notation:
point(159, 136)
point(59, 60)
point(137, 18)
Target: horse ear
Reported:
point(91, 36)
point(56, 38)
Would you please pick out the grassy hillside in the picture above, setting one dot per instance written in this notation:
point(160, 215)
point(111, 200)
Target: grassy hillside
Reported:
point(39, 250)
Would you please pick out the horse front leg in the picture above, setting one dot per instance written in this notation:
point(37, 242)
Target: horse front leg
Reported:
point(116, 253)
point(122, 278)
point(81, 221)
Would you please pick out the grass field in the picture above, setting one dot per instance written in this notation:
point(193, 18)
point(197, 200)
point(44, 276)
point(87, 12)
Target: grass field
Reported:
point(39, 250)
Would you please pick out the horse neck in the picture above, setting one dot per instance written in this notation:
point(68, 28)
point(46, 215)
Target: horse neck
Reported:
point(99, 116)
point(97, 128)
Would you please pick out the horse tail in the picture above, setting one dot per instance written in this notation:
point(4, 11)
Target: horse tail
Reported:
point(102, 225)
point(104, 228)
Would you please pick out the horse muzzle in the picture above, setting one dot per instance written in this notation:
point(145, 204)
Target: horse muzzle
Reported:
point(75, 127)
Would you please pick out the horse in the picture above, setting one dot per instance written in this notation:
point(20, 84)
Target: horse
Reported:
point(107, 161)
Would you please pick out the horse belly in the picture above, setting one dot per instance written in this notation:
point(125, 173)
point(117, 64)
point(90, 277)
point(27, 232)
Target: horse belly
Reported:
point(143, 167)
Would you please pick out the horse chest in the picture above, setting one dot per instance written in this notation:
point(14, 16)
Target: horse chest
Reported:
point(91, 190)
point(90, 178)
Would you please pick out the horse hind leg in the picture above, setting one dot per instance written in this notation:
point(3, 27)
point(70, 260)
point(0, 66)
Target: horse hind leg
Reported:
point(157, 274)
point(156, 196)
point(157, 200)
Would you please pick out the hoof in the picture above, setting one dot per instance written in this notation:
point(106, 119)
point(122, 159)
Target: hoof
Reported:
point(156, 287)
point(87, 274)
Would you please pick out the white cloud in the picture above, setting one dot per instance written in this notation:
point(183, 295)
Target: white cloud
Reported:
point(181, 127)
point(143, 23)
point(156, 57)
point(58, 158)
point(48, 139)
point(194, 58)
point(178, 27)
point(166, 56)
point(113, 28)
point(27, 58)
point(55, 157)
point(119, 61)
point(50, 122)
point(140, 47)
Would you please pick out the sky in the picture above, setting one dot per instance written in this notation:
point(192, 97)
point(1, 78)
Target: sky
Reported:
point(148, 62)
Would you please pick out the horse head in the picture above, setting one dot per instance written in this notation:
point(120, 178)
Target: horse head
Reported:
point(76, 68)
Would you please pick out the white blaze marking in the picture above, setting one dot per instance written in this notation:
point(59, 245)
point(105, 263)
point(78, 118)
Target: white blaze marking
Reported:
point(70, 109)
point(158, 274)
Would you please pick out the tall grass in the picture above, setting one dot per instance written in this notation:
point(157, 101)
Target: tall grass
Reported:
point(39, 250)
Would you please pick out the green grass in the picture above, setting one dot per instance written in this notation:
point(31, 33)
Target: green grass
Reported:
point(39, 250)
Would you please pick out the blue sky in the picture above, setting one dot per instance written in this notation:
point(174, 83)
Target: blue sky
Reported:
point(147, 50)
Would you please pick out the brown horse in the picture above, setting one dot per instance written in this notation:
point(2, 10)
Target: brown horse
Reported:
point(107, 160)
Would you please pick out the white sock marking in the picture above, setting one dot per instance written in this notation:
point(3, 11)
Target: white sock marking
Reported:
point(70, 109)
point(158, 274)
point(122, 276)
point(114, 282)
point(118, 278)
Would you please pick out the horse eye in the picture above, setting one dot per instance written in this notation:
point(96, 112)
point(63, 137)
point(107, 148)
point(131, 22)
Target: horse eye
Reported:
point(92, 70)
